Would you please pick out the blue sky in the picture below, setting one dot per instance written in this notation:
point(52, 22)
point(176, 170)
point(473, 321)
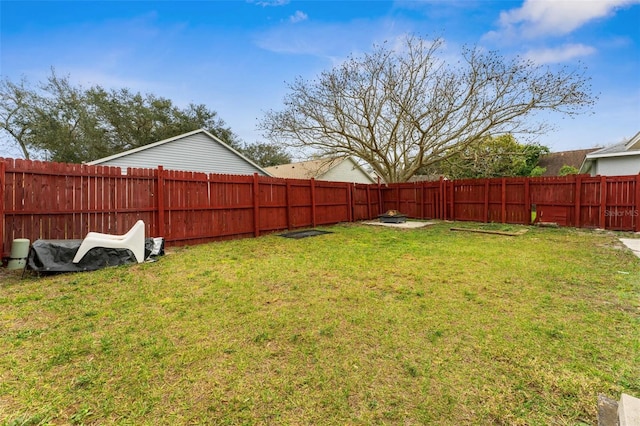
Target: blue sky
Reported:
point(236, 57)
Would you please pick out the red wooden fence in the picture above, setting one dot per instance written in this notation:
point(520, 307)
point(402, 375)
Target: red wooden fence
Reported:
point(41, 200)
point(607, 202)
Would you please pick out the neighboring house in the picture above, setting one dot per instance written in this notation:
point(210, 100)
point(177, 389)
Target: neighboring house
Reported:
point(344, 169)
point(617, 160)
point(197, 151)
point(554, 161)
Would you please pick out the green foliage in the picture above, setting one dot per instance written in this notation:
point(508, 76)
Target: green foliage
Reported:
point(568, 170)
point(499, 156)
point(59, 121)
point(266, 154)
point(537, 171)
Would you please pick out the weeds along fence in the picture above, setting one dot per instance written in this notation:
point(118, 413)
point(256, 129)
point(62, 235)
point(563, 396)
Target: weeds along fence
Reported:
point(43, 200)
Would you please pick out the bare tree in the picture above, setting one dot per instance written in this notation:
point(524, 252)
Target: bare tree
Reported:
point(401, 110)
point(15, 112)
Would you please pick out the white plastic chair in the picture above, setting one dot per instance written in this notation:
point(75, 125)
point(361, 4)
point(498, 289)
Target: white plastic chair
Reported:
point(132, 240)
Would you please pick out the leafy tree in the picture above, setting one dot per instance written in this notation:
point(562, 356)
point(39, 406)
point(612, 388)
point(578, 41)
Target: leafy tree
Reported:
point(401, 110)
point(568, 170)
point(266, 154)
point(498, 156)
point(63, 122)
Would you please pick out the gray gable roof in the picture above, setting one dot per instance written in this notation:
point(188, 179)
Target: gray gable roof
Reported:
point(625, 148)
point(196, 151)
point(323, 169)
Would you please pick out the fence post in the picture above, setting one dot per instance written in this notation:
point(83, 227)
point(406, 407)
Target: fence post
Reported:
point(313, 202)
point(486, 200)
point(368, 202)
point(527, 200)
point(288, 201)
point(422, 199)
point(636, 210)
point(503, 212)
point(603, 202)
point(577, 201)
point(3, 167)
point(380, 203)
point(256, 206)
point(443, 198)
point(441, 201)
point(160, 201)
point(350, 199)
point(452, 200)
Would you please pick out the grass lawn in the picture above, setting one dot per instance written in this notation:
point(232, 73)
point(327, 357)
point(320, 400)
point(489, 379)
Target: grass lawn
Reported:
point(367, 325)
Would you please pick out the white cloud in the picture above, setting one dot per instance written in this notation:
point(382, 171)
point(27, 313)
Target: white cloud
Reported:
point(328, 41)
point(538, 18)
point(559, 54)
point(298, 17)
point(267, 3)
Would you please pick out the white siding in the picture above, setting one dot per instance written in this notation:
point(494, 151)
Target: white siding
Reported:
point(346, 171)
point(616, 166)
point(195, 153)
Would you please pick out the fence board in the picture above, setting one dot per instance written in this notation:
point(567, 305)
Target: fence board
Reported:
point(2, 202)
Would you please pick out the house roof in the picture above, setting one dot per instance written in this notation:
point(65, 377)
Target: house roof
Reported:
point(311, 169)
point(304, 169)
point(175, 138)
point(554, 161)
point(623, 149)
point(631, 147)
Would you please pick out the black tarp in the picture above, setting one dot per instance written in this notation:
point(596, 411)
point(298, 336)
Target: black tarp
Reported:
point(55, 256)
point(304, 233)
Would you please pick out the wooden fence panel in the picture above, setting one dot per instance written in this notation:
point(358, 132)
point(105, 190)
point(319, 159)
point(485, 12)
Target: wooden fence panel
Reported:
point(237, 217)
point(515, 205)
point(389, 197)
point(469, 200)
point(620, 210)
point(273, 204)
point(361, 198)
point(365, 202)
point(409, 199)
point(554, 199)
point(376, 201)
point(48, 200)
point(332, 202)
point(493, 200)
point(589, 216)
point(300, 212)
point(14, 194)
point(3, 167)
point(427, 200)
